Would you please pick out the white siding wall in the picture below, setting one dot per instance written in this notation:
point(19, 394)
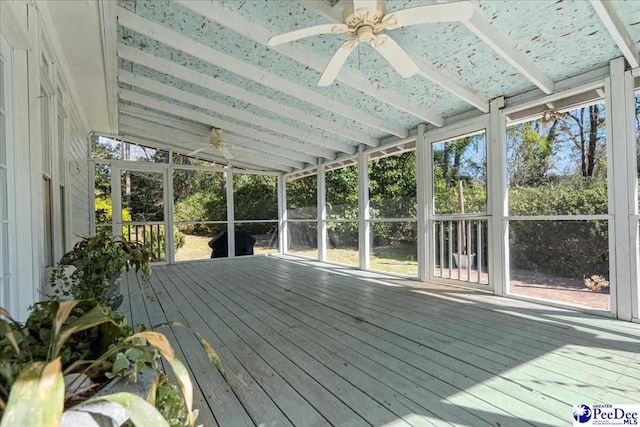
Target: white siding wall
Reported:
point(29, 37)
point(78, 182)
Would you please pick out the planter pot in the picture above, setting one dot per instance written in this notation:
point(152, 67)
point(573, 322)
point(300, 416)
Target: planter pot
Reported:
point(104, 413)
point(114, 297)
point(463, 260)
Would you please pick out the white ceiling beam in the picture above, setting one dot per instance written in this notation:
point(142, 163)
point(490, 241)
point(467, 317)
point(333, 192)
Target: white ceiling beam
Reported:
point(609, 17)
point(228, 111)
point(219, 59)
point(504, 47)
point(163, 119)
point(203, 136)
point(196, 116)
point(246, 158)
point(171, 134)
point(150, 142)
point(216, 12)
point(243, 151)
point(462, 92)
point(426, 70)
point(189, 75)
point(109, 29)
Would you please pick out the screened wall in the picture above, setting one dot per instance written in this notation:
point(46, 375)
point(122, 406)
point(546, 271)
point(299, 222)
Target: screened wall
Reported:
point(141, 192)
point(531, 200)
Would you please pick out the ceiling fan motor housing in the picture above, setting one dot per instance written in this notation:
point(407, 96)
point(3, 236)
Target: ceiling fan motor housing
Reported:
point(357, 19)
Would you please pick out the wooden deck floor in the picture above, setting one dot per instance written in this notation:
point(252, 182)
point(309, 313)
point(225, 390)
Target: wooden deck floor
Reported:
point(307, 345)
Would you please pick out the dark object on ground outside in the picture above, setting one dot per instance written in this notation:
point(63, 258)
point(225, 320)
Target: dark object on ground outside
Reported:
point(244, 244)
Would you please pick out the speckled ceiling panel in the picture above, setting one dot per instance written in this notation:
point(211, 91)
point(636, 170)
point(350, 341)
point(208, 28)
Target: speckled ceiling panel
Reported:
point(171, 116)
point(160, 50)
point(630, 15)
point(211, 34)
point(452, 49)
point(282, 16)
point(203, 111)
point(234, 103)
point(564, 38)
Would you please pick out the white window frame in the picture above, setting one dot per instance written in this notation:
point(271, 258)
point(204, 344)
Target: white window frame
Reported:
point(609, 216)
point(10, 299)
point(479, 124)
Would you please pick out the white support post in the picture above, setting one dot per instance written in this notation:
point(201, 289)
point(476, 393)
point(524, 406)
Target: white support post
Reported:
point(231, 235)
point(364, 235)
point(632, 182)
point(498, 238)
point(621, 145)
point(322, 213)
point(91, 183)
point(168, 214)
point(116, 201)
point(283, 226)
point(424, 203)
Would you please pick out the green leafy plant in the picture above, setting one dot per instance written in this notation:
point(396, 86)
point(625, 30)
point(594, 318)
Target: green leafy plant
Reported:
point(65, 340)
point(99, 262)
point(154, 239)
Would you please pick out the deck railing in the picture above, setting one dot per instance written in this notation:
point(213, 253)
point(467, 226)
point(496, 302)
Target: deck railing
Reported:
point(460, 249)
point(151, 235)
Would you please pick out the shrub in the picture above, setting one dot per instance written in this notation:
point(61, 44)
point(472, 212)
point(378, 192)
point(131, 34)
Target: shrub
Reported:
point(572, 249)
point(104, 211)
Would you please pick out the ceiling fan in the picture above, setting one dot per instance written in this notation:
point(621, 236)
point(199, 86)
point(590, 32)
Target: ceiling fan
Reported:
point(366, 20)
point(218, 141)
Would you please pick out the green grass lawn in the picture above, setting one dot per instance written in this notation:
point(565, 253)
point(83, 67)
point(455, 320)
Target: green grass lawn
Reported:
point(399, 260)
point(196, 247)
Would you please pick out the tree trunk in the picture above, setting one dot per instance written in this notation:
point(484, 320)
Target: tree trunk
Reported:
point(457, 159)
point(445, 166)
point(583, 156)
point(593, 139)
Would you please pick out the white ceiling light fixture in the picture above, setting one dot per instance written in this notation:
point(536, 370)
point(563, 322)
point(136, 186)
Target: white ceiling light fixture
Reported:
point(217, 141)
point(365, 21)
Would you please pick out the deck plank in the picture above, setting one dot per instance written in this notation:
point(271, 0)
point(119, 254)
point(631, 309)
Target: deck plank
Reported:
point(485, 339)
point(514, 397)
point(279, 404)
point(149, 312)
point(459, 372)
point(349, 363)
point(359, 391)
point(306, 345)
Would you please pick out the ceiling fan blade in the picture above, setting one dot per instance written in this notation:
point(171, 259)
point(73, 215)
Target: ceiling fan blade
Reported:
point(198, 150)
point(307, 32)
point(445, 12)
point(226, 153)
point(370, 5)
point(396, 56)
point(337, 61)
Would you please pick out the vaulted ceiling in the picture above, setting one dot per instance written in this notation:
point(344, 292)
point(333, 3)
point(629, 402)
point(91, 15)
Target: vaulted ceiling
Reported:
point(187, 66)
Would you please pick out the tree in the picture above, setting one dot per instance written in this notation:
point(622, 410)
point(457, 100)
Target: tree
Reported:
point(584, 127)
point(529, 153)
point(392, 186)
